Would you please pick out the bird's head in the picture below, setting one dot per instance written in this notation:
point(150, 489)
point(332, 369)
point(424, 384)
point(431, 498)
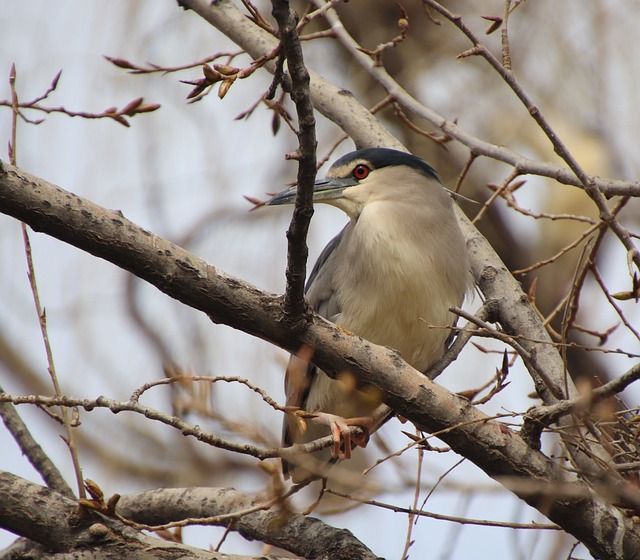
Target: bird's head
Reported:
point(364, 176)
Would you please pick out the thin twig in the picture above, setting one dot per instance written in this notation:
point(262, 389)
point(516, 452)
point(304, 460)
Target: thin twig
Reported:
point(510, 199)
point(42, 318)
point(588, 257)
point(416, 496)
point(584, 235)
point(550, 414)
point(154, 68)
point(440, 139)
point(504, 31)
point(440, 480)
point(465, 170)
point(496, 194)
point(612, 301)
point(461, 520)
point(464, 335)
point(310, 16)
point(185, 428)
point(210, 379)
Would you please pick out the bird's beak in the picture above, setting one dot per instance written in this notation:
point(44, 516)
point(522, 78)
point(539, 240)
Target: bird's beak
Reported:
point(323, 189)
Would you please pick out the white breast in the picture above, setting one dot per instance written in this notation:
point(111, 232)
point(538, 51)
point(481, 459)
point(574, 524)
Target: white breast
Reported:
point(408, 273)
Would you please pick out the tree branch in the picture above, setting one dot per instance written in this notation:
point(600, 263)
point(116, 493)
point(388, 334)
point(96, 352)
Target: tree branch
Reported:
point(305, 536)
point(298, 252)
point(64, 530)
point(547, 415)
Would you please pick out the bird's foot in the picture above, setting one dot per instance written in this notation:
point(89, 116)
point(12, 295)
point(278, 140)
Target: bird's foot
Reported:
point(341, 432)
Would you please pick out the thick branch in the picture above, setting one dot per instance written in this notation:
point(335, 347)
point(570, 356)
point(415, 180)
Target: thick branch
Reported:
point(305, 536)
point(63, 530)
point(496, 450)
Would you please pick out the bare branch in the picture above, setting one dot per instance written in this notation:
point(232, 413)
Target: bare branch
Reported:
point(414, 511)
point(302, 535)
point(522, 164)
point(60, 529)
point(547, 415)
point(31, 274)
point(294, 303)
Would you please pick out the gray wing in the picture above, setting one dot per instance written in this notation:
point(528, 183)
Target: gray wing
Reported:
point(300, 372)
point(319, 288)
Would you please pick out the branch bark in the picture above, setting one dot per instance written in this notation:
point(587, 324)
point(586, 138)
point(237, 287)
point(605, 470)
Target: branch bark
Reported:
point(305, 536)
point(59, 529)
point(294, 302)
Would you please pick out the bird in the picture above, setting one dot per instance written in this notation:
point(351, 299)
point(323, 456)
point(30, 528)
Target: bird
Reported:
point(390, 277)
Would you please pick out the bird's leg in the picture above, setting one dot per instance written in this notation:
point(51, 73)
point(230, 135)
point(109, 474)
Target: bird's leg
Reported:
point(341, 431)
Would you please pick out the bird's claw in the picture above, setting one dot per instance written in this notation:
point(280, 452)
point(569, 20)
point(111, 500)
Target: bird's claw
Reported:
point(341, 432)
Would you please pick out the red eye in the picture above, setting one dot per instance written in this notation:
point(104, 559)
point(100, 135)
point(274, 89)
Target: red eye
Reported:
point(360, 171)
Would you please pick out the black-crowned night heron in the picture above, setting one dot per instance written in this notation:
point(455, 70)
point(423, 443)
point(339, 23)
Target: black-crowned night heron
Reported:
point(390, 276)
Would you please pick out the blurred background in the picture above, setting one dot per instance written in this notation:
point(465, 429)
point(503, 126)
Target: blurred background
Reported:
point(182, 171)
